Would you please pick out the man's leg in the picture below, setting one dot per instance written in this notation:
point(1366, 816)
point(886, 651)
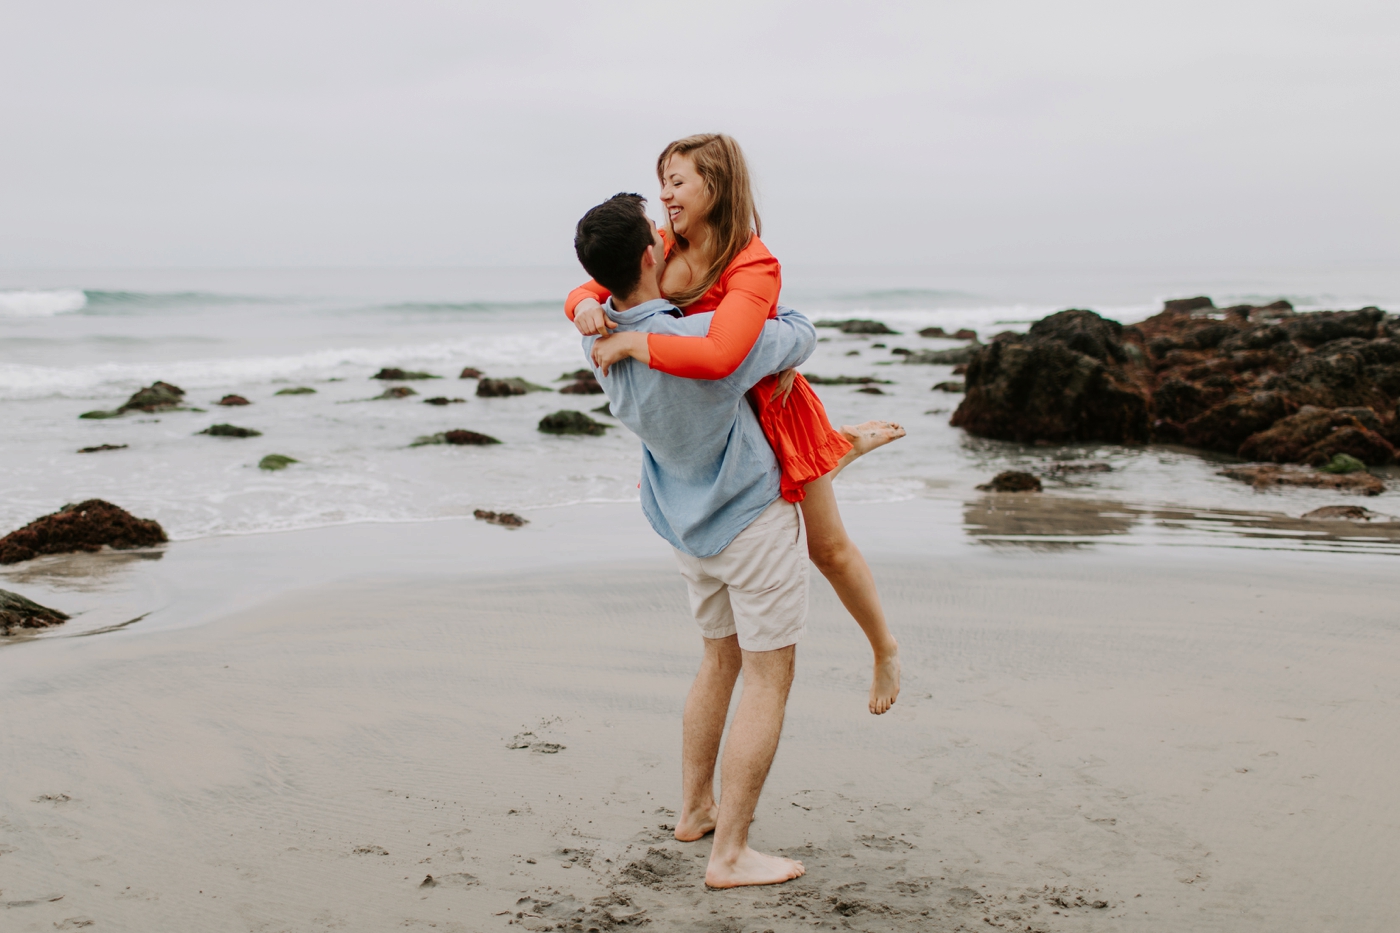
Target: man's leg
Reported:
point(706, 708)
point(748, 754)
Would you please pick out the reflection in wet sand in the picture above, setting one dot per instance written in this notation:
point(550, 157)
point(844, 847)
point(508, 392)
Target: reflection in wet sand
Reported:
point(81, 572)
point(1043, 522)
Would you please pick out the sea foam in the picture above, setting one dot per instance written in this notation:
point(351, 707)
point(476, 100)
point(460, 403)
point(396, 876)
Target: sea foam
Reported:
point(42, 303)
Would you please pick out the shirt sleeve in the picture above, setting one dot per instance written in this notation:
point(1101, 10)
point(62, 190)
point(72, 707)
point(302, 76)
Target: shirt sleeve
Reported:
point(589, 289)
point(751, 292)
point(782, 344)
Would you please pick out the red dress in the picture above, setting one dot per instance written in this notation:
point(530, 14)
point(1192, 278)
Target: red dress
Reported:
point(745, 296)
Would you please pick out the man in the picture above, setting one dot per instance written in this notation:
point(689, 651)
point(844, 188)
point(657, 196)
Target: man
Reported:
point(710, 487)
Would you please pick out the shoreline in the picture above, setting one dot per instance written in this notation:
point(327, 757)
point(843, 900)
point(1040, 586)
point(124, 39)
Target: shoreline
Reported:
point(1075, 727)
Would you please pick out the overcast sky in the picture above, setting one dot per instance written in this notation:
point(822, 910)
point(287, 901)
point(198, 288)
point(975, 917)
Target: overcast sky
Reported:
point(292, 133)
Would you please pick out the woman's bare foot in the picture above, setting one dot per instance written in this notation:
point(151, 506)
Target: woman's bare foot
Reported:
point(884, 688)
point(866, 437)
point(751, 867)
point(697, 825)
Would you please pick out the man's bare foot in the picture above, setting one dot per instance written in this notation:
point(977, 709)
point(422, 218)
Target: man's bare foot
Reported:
point(696, 825)
point(866, 437)
point(884, 688)
point(751, 867)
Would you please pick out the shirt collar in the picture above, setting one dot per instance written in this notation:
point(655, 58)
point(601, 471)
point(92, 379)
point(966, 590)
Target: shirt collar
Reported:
point(641, 312)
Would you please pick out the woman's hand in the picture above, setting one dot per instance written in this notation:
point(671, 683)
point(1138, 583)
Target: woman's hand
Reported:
point(590, 318)
point(783, 389)
point(611, 349)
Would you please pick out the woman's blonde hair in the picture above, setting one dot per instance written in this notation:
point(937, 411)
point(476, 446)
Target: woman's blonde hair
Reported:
point(731, 214)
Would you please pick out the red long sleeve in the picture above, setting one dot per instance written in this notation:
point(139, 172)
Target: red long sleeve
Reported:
point(589, 289)
point(745, 296)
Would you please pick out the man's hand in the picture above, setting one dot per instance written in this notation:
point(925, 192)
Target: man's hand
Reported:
point(613, 348)
point(590, 318)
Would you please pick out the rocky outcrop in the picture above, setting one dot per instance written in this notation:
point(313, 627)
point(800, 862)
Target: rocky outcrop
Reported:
point(393, 374)
point(18, 613)
point(158, 396)
point(501, 388)
point(1064, 381)
point(1224, 379)
point(571, 422)
point(229, 430)
point(854, 326)
point(1012, 481)
point(87, 526)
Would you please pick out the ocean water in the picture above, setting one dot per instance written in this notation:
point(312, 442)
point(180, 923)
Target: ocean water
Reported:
point(73, 341)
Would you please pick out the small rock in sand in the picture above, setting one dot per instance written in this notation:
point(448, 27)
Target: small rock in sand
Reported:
point(501, 388)
point(571, 422)
point(470, 372)
point(506, 519)
point(1080, 468)
point(585, 383)
point(1012, 481)
point(950, 386)
point(1269, 475)
point(229, 430)
point(231, 400)
point(86, 526)
point(1341, 513)
point(276, 462)
point(395, 392)
point(442, 400)
point(101, 447)
point(298, 390)
point(393, 374)
point(816, 380)
point(17, 612)
point(158, 396)
point(871, 390)
point(458, 437)
point(858, 327)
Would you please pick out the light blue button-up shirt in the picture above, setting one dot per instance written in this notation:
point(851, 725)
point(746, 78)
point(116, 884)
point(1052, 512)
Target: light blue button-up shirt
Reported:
point(707, 469)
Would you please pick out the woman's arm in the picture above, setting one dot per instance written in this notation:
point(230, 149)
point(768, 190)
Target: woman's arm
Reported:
point(751, 293)
point(584, 307)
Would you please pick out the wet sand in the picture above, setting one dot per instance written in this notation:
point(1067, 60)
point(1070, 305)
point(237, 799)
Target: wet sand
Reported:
point(1138, 739)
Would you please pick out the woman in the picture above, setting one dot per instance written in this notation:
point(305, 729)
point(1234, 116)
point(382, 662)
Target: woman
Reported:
point(716, 262)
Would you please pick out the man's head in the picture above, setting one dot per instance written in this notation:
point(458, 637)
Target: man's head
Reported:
point(618, 245)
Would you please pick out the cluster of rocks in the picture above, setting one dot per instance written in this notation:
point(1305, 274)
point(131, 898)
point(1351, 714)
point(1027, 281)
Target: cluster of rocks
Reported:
point(1261, 382)
point(18, 613)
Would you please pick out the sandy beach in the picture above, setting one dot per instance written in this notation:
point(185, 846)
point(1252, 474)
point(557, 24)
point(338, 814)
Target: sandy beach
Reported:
point(1146, 738)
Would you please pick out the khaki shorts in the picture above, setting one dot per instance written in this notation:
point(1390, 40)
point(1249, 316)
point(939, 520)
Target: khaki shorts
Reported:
point(757, 587)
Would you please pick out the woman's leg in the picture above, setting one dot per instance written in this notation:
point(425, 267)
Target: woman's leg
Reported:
point(841, 562)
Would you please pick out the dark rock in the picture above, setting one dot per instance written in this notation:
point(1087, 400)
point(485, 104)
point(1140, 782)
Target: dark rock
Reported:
point(1319, 327)
point(1201, 303)
point(1012, 481)
point(575, 375)
point(877, 346)
point(17, 612)
point(500, 388)
point(960, 369)
point(298, 390)
point(1080, 468)
point(229, 430)
point(901, 351)
point(1340, 513)
point(231, 400)
point(604, 409)
point(1365, 447)
point(158, 396)
point(101, 447)
point(1180, 401)
point(1208, 337)
point(585, 383)
point(1286, 440)
point(276, 462)
point(86, 526)
point(853, 353)
point(965, 334)
point(935, 332)
point(1269, 475)
point(442, 400)
point(1042, 388)
point(1335, 379)
point(950, 386)
point(1225, 426)
point(392, 374)
point(458, 437)
point(507, 519)
point(844, 380)
point(571, 422)
point(854, 326)
point(953, 357)
point(1258, 337)
point(470, 372)
point(395, 392)
point(871, 390)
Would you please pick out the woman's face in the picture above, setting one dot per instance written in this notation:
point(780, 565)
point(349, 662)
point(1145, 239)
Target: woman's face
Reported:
point(683, 193)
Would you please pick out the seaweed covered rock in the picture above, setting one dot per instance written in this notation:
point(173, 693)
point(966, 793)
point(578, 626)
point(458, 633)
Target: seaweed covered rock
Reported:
point(229, 430)
point(18, 613)
point(296, 390)
point(393, 374)
point(158, 396)
point(571, 422)
point(470, 372)
point(1061, 382)
point(276, 462)
point(395, 392)
point(501, 388)
point(504, 519)
point(87, 526)
point(584, 383)
point(855, 326)
point(1315, 435)
point(229, 401)
point(457, 437)
point(443, 400)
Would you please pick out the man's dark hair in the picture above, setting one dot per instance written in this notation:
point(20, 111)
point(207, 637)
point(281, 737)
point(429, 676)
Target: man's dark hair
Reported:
point(610, 240)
